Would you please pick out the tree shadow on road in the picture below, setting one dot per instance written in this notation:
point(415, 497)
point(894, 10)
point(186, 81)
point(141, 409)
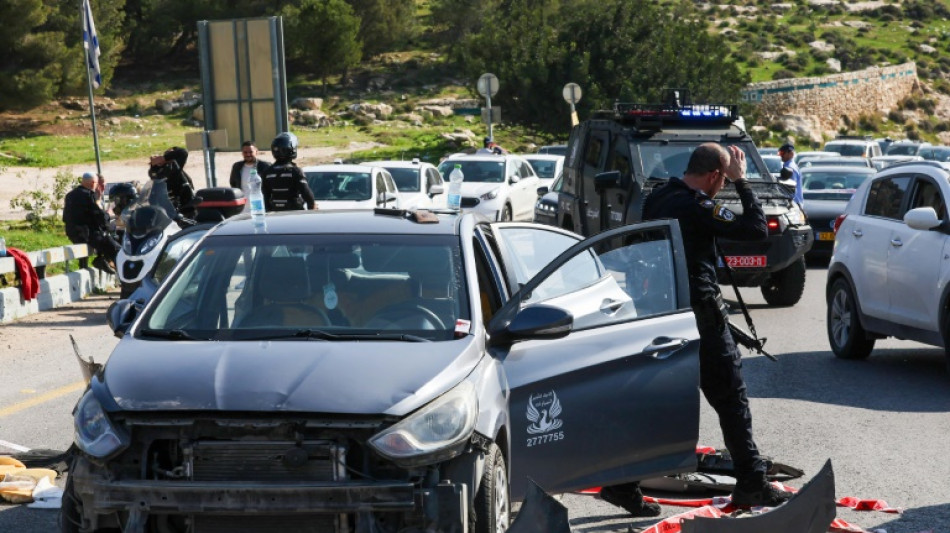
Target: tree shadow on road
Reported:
point(891, 379)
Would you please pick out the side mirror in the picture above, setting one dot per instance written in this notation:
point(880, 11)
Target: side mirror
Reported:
point(922, 218)
point(514, 179)
point(534, 322)
point(436, 189)
point(120, 316)
point(542, 190)
point(607, 180)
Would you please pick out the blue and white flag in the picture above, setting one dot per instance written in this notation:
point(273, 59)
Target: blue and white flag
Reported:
point(90, 42)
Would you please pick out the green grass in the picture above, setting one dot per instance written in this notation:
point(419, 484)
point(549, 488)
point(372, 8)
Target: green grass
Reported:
point(19, 235)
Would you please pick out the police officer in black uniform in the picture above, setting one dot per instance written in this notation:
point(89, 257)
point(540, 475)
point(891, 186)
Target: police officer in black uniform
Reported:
point(284, 185)
point(87, 223)
point(702, 220)
point(171, 167)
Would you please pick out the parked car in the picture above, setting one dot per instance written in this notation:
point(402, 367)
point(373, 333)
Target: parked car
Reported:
point(546, 166)
point(766, 150)
point(553, 149)
point(419, 183)
point(854, 146)
point(496, 187)
point(936, 153)
point(827, 190)
point(340, 186)
point(884, 161)
point(884, 142)
point(888, 275)
point(812, 154)
point(362, 371)
point(906, 147)
point(848, 161)
point(545, 211)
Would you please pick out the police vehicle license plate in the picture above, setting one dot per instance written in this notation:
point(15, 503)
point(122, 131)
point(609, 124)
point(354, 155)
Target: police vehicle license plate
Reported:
point(825, 235)
point(746, 261)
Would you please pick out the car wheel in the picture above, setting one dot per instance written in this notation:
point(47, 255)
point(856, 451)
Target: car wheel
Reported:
point(492, 508)
point(847, 338)
point(506, 213)
point(785, 287)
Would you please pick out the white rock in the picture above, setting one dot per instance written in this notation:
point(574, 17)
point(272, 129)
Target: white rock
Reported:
point(307, 103)
point(834, 65)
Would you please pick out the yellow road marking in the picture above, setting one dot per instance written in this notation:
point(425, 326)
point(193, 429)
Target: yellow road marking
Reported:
point(43, 398)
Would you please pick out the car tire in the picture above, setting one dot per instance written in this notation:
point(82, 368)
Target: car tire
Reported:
point(846, 336)
point(492, 506)
point(506, 213)
point(785, 287)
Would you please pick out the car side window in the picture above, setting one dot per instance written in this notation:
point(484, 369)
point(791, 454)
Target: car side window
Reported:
point(927, 194)
point(886, 196)
point(595, 149)
point(380, 187)
point(526, 171)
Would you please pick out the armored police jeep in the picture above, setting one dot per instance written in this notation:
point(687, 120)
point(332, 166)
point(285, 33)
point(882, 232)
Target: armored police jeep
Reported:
point(616, 158)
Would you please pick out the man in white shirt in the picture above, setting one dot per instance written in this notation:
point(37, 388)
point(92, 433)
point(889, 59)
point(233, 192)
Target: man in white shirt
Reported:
point(242, 169)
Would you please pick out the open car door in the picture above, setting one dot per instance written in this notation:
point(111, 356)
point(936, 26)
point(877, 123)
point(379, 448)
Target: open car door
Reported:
point(616, 398)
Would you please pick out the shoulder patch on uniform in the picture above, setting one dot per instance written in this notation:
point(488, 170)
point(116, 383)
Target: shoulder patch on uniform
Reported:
point(708, 204)
point(721, 213)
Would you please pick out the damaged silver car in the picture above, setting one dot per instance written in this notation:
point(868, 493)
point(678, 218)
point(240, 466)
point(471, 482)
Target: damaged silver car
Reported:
point(387, 372)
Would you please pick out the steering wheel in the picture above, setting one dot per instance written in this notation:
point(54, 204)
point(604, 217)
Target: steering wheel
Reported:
point(407, 315)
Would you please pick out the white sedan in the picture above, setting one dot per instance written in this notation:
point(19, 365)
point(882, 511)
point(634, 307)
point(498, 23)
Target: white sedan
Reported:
point(496, 187)
point(351, 187)
point(419, 183)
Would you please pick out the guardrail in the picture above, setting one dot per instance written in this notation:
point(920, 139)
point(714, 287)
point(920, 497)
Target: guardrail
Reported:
point(55, 291)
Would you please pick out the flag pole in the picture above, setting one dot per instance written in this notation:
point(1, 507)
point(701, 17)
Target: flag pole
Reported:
point(92, 106)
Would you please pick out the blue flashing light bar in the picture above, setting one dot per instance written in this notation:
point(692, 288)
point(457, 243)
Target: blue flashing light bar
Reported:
point(658, 114)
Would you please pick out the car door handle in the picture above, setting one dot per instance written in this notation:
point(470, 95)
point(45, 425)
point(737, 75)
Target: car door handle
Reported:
point(609, 307)
point(857, 233)
point(896, 242)
point(663, 347)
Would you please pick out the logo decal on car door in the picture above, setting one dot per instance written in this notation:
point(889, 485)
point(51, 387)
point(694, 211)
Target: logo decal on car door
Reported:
point(543, 411)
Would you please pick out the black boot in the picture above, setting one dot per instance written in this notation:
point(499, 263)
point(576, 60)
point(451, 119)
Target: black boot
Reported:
point(755, 490)
point(629, 498)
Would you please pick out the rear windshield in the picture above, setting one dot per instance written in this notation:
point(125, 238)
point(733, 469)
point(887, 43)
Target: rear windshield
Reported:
point(475, 171)
point(845, 148)
point(258, 286)
point(340, 185)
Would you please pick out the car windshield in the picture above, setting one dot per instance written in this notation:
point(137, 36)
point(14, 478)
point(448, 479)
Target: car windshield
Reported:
point(827, 185)
point(845, 148)
point(328, 185)
point(666, 160)
point(941, 154)
point(475, 171)
point(773, 163)
point(903, 149)
point(545, 169)
point(323, 287)
point(407, 179)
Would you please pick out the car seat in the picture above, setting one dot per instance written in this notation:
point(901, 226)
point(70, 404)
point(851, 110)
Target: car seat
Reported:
point(284, 283)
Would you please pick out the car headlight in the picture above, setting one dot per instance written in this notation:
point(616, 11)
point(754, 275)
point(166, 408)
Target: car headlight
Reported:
point(796, 217)
point(433, 433)
point(545, 207)
point(94, 432)
point(490, 195)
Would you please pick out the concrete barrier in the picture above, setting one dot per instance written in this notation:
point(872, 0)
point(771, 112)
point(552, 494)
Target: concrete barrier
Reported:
point(55, 291)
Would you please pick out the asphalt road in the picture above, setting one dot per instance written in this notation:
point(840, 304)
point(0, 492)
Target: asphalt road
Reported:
point(883, 422)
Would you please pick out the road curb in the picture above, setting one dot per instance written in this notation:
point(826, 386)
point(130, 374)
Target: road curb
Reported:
point(55, 291)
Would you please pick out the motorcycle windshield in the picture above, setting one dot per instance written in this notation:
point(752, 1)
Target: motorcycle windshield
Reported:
point(152, 211)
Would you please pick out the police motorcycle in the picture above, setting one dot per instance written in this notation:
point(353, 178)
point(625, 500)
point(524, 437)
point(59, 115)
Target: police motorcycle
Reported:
point(148, 224)
point(212, 205)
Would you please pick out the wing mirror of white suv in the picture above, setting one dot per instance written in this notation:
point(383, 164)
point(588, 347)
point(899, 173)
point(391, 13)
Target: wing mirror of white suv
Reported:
point(436, 189)
point(922, 218)
point(514, 179)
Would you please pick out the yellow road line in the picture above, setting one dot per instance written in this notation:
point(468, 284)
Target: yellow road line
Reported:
point(43, 398)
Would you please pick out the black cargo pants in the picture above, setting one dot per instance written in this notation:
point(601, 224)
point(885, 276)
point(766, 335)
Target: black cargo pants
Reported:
point(720, 379)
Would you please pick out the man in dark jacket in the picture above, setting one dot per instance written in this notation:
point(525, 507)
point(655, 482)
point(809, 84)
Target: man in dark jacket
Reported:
point(241, 170)
point(171, 167)
point(87, 223)
point(702, 220)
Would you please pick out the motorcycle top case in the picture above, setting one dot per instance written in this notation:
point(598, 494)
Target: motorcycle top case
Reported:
point(219, 203)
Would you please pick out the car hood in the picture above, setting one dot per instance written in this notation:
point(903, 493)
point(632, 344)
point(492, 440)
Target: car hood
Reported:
point(393, 378)
point(479, 188)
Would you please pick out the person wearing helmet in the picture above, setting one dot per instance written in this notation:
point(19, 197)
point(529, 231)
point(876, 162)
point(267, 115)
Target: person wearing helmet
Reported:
point(122, 195)
point(171, 167)
point(284, 185)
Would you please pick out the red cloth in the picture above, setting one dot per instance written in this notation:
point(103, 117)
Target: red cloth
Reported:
point(29, 281)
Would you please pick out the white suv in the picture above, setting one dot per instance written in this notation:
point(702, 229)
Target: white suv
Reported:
point(495, 187)
point(888, 274)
